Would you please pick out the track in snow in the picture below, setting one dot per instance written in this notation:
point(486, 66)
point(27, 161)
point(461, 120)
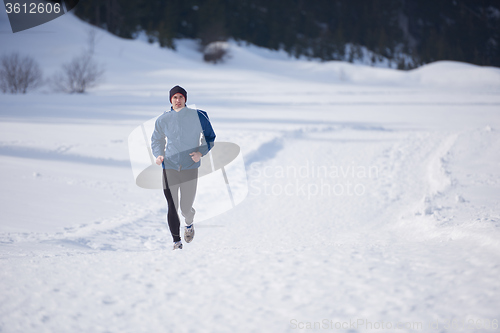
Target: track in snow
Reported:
point(311, 256)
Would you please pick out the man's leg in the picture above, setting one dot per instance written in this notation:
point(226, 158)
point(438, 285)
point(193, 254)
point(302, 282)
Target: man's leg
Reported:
point(172, 216)
point(188, 193)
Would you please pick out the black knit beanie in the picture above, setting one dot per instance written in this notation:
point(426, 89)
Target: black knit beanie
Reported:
point(178, 89)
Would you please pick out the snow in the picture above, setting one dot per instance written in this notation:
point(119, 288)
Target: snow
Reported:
point(373, 195)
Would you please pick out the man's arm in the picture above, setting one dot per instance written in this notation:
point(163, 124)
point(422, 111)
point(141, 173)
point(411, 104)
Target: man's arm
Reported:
point(207, 142)
point(158, 142)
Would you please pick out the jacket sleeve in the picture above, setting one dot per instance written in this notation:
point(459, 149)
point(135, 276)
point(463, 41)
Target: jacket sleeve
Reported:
point(158, 140)
point(207, 142)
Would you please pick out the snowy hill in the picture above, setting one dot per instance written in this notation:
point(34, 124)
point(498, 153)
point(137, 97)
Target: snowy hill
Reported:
point(373, 195)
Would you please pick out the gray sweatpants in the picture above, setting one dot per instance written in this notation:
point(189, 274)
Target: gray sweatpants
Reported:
point(185, 182)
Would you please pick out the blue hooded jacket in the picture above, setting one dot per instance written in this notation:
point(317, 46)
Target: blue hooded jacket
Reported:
point(182, 130)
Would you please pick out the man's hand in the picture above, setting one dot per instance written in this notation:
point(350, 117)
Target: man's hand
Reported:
point(159, 159)
point(195, 156)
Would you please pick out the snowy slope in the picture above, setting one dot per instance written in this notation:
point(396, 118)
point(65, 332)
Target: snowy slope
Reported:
point(373, 196)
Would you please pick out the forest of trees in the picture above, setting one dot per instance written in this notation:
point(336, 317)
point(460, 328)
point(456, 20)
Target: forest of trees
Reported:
point(424, 30)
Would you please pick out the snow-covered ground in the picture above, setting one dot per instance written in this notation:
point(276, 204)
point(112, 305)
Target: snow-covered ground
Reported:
point(373, 200)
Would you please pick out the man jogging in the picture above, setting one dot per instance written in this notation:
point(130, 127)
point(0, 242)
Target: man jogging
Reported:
point(180, 129)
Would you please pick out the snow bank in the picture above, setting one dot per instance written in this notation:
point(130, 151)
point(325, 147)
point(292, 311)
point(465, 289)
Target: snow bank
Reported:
point(52, 49)
point(456, 74)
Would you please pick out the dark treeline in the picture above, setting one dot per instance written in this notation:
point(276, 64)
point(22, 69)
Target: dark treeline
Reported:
point(426, 30)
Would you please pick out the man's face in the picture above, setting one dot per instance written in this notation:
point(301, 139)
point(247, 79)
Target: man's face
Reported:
point(178, 101)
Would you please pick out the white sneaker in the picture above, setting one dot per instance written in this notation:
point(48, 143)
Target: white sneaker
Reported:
point(189, 233)
point(178, 245)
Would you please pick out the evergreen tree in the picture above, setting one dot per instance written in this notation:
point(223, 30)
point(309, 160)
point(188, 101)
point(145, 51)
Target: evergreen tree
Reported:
point(427, 30)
